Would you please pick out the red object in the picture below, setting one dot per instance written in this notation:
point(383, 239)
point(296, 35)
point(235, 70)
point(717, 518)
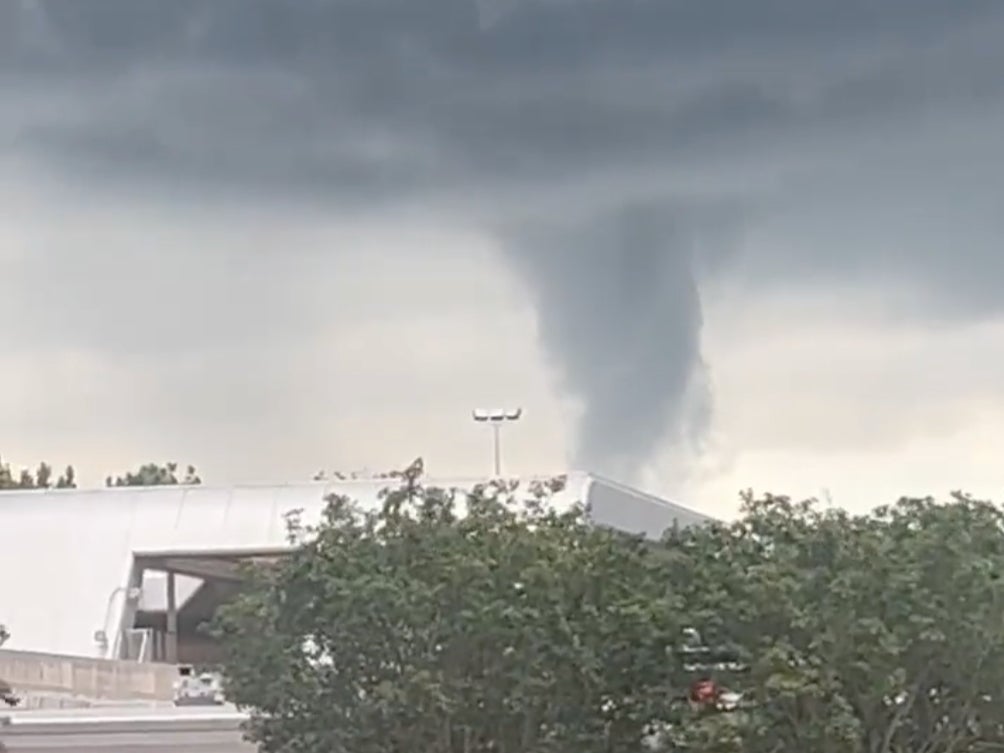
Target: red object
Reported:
point(704, 692)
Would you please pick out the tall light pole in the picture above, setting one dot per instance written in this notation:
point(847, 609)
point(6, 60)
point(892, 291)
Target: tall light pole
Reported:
point(495, 419)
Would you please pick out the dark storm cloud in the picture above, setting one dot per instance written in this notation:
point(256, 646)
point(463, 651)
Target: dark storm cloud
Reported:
point(547, 88)
point(361, 101)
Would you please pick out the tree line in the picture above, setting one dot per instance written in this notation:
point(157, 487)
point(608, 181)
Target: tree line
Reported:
point(148, 474)
point(488, 621)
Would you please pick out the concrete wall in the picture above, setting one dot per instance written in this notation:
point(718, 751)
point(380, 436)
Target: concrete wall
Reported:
point(87, 679)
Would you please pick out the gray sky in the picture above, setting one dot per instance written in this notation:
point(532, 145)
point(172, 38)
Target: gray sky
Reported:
point(707, 245)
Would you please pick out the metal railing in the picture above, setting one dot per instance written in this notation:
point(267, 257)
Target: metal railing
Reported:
point(138, 644)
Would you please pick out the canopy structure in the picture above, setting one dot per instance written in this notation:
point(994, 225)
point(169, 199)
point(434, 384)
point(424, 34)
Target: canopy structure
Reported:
point(80, 565)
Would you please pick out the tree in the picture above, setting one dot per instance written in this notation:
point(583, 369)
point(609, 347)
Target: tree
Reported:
point(453, 621)
point(43, 476)
point(7, 696)
point(68, 480)
point(152, 474)
point(41, 479)
point(873, 634)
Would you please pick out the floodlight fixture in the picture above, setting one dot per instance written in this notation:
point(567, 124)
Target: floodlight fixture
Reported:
point(495, 417)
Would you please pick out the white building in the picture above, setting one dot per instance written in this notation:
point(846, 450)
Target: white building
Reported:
point(132, 572)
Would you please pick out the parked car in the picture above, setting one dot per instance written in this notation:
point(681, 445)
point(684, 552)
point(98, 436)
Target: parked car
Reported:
point(202, 689)
point(709, 668)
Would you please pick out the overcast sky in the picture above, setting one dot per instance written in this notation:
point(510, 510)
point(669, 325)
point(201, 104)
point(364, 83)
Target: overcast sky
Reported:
point(706, 245)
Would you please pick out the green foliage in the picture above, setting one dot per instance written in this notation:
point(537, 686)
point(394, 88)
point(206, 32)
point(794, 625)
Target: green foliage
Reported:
point(152, 474)
point(68, 480)
point(453, 621)
point(514, 629)
point(880, 634)
point(40, 479)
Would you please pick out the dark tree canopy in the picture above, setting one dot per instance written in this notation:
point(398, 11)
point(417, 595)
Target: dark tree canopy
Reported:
point(153, 474)
point(880, 633)
point(150, 474)
point(452, 621)
point(40, 479)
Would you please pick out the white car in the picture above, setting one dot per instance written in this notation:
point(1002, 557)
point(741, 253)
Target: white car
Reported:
point(205, 689)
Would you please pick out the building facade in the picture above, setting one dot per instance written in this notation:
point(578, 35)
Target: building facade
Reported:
point(132, 572)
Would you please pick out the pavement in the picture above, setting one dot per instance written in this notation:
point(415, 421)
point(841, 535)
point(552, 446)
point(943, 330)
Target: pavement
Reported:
point(193, 730)
point(161, 742)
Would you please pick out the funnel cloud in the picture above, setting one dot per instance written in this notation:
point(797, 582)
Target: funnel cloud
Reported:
point(619, 311)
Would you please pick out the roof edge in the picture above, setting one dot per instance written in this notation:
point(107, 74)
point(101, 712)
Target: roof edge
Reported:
point(430, 481)
point(647, 496)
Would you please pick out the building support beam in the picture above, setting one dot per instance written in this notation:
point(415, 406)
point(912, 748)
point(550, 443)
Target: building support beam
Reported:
point(171, 644)
point(203, 569)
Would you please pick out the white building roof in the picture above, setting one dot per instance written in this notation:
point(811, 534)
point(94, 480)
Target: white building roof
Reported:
point(67, 555)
